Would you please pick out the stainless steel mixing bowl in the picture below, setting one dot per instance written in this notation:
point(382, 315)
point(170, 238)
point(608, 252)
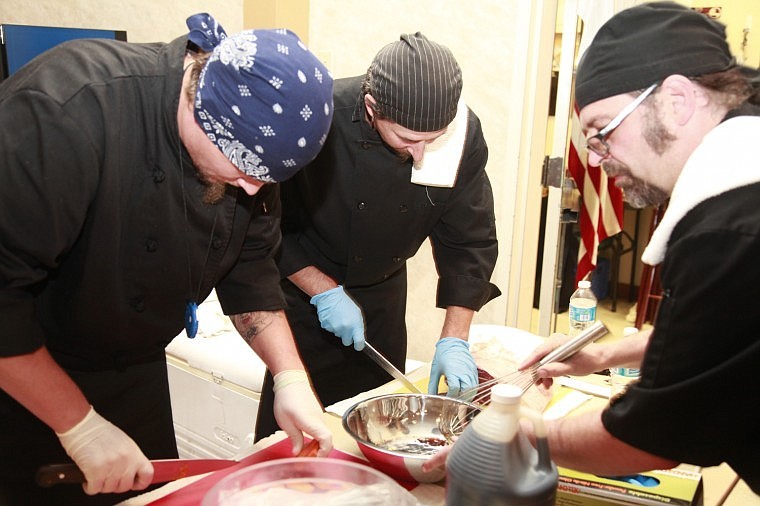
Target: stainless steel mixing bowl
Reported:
point(397, 433)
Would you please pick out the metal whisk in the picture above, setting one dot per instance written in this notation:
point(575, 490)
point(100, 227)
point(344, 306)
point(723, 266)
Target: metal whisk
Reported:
point(481, 394)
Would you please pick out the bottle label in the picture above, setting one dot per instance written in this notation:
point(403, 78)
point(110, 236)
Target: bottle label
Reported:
point(627, 372)
point(582, 314)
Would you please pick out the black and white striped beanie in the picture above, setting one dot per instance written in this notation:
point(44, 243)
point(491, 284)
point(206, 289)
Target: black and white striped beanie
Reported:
point(416, 83)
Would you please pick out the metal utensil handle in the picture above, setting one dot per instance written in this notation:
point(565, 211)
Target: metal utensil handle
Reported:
point(588, 335)
point(389, 367)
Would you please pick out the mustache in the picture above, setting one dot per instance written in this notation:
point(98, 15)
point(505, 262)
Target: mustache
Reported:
point(637, 192)
point(614, 169)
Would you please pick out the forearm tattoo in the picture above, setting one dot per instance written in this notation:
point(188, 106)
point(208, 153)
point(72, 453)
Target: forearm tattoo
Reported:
point(250, 325)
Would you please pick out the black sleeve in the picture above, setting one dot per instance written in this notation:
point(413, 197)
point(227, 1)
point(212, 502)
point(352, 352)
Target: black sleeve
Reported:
point(254, 282)
point(49, 170)
point(464, 240)
point(695, 401)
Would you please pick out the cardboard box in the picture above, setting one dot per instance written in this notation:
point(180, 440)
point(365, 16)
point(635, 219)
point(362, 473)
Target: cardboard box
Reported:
point(681, 486)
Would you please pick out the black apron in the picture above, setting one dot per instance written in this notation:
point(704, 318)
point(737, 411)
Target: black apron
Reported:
point(135, 399)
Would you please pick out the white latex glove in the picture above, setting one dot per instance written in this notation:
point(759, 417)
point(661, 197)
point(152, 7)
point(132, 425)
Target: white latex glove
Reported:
point(296, 410)
point(110, 460)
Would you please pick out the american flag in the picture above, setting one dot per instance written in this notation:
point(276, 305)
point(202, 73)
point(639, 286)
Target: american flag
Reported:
point(601, 213)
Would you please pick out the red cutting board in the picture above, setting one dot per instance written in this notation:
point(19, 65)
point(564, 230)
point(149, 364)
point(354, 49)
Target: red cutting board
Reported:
point(194, 492)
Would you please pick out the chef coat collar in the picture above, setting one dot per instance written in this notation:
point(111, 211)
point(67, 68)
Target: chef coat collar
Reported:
point(732, 144)
point(174, 55)
point(368, 134)
point(440, 165)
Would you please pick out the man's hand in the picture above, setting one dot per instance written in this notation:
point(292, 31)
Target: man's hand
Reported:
point(296, 410)
point(453, 359)
point(438, 460)
point(586, 361)
point(339, 314)
point(110, 460)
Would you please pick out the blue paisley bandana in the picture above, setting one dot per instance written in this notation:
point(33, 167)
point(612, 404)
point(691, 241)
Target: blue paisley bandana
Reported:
point(263, 98)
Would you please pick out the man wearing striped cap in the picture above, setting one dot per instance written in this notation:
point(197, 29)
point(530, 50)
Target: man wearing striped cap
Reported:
point(404, 162)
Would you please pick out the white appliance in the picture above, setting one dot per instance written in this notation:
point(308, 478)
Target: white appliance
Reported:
point(215, 382)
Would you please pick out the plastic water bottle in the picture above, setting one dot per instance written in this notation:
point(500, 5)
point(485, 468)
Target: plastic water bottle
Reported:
point(493, 463)
point(621, 377)
point(582, 308)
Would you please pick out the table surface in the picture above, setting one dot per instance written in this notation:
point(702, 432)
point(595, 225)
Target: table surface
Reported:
point(721, 485)
point(719, 482)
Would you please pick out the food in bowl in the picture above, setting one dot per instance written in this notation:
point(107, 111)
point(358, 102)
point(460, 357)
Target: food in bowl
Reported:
point(301, 481)
point(397, 433)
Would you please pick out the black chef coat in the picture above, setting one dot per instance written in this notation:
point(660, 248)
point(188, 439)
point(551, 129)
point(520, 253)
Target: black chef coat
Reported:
point(696, 401)
point(104, 238)
point(355, 215)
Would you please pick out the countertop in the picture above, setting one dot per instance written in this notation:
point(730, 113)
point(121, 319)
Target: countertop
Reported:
point(721, 485)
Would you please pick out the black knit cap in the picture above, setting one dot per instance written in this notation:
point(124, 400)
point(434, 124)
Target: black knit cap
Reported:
point(416, 83)
point(645, 44)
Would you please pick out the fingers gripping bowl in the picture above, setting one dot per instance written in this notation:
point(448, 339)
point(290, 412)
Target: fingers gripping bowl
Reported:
point(397, 433)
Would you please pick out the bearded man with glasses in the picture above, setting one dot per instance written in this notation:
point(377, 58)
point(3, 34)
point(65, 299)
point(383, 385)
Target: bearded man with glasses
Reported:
point(669, 114)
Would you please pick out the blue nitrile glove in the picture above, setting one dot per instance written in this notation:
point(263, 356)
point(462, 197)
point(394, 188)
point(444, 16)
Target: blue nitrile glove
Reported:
point(641, 480)
point(339, 314)
point(453, 359)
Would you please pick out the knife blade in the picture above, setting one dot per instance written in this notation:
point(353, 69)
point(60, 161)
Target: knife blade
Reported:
point(389, 368)
point(163, 470)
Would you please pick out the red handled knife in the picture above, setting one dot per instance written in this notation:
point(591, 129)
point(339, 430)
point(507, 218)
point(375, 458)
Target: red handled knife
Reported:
point(163, 470)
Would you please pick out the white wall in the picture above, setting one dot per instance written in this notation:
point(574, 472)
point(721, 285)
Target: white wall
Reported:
point(154, 21)
point(347, 35)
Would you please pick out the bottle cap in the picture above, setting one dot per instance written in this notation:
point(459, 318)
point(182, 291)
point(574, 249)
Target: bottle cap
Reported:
point(584, 284)
point(506, 393)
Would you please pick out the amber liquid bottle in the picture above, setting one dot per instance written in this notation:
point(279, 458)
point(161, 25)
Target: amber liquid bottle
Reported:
point(494, 464)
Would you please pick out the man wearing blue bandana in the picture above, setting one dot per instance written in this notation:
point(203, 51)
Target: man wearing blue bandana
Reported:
point(135, 182)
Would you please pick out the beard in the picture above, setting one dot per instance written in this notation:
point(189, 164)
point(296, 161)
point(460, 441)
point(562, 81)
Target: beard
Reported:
point(405, 156)
point(214, 193)
point(637, 192)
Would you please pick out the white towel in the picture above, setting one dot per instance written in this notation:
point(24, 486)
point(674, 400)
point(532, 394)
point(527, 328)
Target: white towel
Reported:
point(440, 163)
point(728, 157)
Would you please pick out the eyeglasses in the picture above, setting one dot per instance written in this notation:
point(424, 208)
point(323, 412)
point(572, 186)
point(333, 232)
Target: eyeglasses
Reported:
point(598, 143)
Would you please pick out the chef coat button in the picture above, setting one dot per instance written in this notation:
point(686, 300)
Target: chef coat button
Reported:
point(151, 245)
point(138, 304)
point(158, 176)
point(396, 260)
point(217, 243)
point(358, 259)
point(403, 208)
point(361, 206)
point(366, 145)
